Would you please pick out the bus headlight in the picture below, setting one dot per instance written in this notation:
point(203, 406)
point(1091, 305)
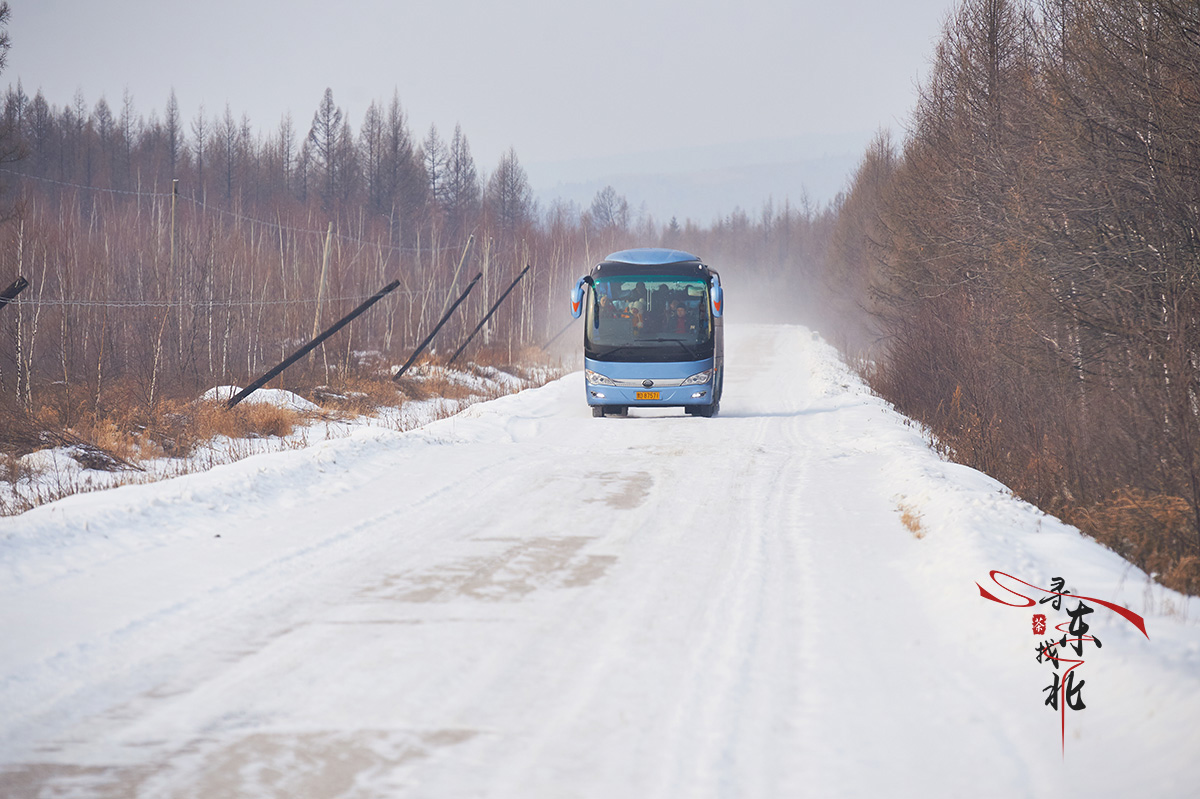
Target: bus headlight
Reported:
point(597, 379)
point(699, 378)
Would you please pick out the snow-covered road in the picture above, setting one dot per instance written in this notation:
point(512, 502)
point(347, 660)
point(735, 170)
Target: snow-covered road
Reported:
point(525, 601)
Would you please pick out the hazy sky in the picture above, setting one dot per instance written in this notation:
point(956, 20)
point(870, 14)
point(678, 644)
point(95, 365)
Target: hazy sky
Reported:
point(558, 80)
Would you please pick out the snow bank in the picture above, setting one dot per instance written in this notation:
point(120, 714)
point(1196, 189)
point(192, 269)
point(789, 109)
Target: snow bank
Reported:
point(64, 471)
point(265, 396)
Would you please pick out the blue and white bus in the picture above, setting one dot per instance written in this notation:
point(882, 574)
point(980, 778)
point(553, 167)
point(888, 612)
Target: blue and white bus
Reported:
point(653, 334)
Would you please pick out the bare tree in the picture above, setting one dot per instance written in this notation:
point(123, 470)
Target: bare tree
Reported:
point(201, 131)
point(433, 158)
point(609, 210)
point(325, 138)
point(128, 128)
point(5, 39)
point(404, 185)
point(462, 190)
point(346, 166)
point(509, 196)
point(226, 160)
point(39, 130)
point(371, 149)
point(174, 133)
point(83, 145)
point(286, 146)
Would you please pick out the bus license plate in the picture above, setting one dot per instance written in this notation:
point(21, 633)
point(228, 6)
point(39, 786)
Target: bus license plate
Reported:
point(647, 395)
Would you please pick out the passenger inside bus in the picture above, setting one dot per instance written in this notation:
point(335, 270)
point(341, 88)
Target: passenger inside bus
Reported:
point(681, 322)
point(628, 311)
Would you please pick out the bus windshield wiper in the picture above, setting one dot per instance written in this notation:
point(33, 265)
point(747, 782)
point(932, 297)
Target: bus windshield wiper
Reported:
point(685, 347)
point(602, 355)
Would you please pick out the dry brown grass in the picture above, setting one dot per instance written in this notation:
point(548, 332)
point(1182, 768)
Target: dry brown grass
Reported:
point(119, 430)
point(247, 420)
point(358, 394)
point(426, 381)
point(1154, 531)
point(12, 469)
point(20, 433)
point(911, 519)
point(127, 434)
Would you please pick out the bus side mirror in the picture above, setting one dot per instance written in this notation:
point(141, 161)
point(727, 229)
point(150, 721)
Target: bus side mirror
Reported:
point(718, 297)
point(577, 295)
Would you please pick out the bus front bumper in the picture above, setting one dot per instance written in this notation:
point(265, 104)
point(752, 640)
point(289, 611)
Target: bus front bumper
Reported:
point(649, 385)
point(649, 398)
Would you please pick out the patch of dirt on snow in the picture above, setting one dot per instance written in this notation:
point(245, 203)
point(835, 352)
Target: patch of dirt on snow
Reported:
point(520, 569)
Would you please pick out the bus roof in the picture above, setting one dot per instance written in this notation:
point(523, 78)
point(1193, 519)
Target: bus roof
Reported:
point(652, 261)
point(652, 256)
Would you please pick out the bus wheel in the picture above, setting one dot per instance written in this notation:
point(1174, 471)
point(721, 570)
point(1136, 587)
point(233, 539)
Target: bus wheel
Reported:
point(707, 411)
point(597, 411)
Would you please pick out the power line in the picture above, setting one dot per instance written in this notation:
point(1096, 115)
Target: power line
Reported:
point(80, 186)
point(61, 303)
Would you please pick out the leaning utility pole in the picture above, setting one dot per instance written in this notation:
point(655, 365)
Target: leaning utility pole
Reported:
point(312, 345)
point(445, 317)
point(483, 322)
point(14, 288)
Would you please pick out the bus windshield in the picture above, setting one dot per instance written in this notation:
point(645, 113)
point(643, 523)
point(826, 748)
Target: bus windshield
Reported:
point(648, 318)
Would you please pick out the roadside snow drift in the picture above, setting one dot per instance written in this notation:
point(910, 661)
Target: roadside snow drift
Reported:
point(522, 600)
point(265, 396)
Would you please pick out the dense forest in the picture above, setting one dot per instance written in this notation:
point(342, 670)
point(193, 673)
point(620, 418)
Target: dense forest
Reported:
point(1029, 256)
